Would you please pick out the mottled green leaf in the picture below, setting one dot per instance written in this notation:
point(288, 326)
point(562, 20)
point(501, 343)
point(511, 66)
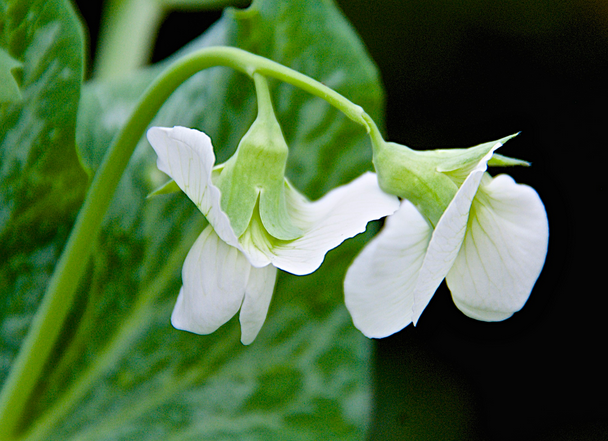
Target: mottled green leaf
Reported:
point(9, 89)
point(41, 181)
point(122, 372)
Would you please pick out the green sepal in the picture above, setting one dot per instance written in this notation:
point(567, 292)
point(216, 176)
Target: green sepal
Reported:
point(274, 213)
point(429, 179)
point(257, 170)
point(458, 163)
point(413, 175)
point(167, 188)
point(9, 88)
point(505, 161)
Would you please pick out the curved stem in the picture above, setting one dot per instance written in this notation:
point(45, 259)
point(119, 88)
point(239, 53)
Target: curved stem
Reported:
point(374, 132)
point(249, 64)
point(60, 293)
point(112, 351)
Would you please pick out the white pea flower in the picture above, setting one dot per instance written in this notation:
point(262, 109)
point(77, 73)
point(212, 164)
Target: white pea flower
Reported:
point(490, 246)
point(233, 263)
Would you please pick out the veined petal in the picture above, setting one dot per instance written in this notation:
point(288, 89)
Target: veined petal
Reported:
point(447, 239)
point(186, 155)
point(342, 213)
point(380, 284)
point(503, 252)
point(215, 277)
point(257, 300)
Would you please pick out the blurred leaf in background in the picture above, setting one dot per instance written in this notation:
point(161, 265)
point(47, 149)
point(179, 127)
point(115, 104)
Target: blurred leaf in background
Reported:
point(120, 371)
point(41, 182)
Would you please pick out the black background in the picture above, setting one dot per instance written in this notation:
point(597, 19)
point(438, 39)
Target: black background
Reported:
point(458, 73)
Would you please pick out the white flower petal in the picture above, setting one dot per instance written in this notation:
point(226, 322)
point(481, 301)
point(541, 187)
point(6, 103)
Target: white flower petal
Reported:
point(342, 213)
point(215, 279)
point(503, 252)
point(394, 278)
point(447, 239)
point(186, 155)
point(257, 300)
point(380, 284)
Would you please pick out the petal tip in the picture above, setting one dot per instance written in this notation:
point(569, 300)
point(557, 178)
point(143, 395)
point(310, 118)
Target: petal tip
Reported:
point(483, 315)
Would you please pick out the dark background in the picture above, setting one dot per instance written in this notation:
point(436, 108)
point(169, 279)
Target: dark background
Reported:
point(458, 73)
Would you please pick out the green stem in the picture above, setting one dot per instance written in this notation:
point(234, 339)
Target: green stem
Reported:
point(60, 294)
point(374, 132)
point(256, 64)
point(134, 324)
point(127, 37)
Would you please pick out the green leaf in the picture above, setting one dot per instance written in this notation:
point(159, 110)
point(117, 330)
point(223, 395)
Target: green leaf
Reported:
point(121, 371)
point(41, 180)
point(9, 89)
